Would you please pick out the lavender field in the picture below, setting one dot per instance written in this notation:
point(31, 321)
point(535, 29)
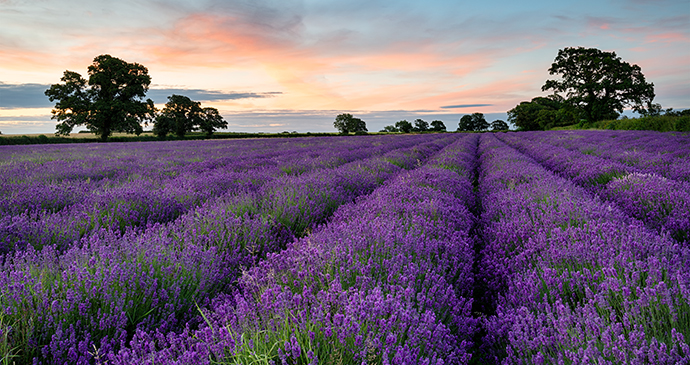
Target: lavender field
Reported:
point(568, 247)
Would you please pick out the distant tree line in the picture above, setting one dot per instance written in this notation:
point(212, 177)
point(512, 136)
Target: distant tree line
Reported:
point(594, 85)
point(473, 122)
point(477, 123)
point(112, 100)
point(419, 125)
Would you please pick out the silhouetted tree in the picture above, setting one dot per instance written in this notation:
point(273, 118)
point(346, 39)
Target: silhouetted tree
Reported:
point(404, 126)
point(543, 113)
point(652, 110)
point(182, 115)
point(465, 123)
point(346, 123)
point(111, 100)
point(211, 120)
point(390, 129)
point(420, 125)
point(474, 122)
point(438, 126)
point(499, 125)
point(599, 83)
point(341, 121)
point(677, 113)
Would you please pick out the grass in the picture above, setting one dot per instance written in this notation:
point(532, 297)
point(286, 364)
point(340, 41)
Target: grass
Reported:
point(7, 352)
point(660, 123)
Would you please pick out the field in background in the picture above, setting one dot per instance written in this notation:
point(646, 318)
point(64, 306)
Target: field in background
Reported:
point(21, 139)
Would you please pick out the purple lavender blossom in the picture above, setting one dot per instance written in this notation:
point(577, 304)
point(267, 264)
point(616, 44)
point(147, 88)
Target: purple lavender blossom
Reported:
point(92, 287)
point(572, 278)
point(388, 279)
point(566, 247)
point(662, 203)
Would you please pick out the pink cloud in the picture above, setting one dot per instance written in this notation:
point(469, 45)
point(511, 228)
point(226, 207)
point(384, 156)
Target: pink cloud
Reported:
point(669, 37)
point(600, 23)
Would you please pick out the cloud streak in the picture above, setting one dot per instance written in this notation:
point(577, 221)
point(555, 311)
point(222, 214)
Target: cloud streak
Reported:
point(160, 96)
point(23, 96)
point(464, 106)
point(19, 96)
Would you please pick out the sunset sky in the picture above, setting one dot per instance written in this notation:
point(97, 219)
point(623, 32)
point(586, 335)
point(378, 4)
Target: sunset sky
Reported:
point(288, 65)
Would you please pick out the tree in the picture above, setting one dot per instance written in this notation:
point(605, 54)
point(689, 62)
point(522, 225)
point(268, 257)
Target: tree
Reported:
point(543, 113)
point(346, 123)
point(599, 83)
point(390, 129)
point(474, 122)
point(438, 126)
point(404, 126)
point(211, 120)
point(499, 125)
point(677, 113)
point(111, 100)
point(179, 116)
point(524, 115)
point(358, 126)
point(341, 122)
point(652, 110)
point(420, 125)
point(182, 115)
point(465, 123)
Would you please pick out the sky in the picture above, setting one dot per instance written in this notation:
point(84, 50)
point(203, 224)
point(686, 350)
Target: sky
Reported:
point(291, 65)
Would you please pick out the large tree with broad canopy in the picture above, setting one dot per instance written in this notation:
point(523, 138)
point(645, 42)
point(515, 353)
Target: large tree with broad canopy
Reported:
point(112, 100)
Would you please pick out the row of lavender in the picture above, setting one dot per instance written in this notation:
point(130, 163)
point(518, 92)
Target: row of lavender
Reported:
point(118, 187)
point(53, 177)
point(388, 280)
point(571, 278)
point(655, 189)
point(664, 154)
point(69, 304)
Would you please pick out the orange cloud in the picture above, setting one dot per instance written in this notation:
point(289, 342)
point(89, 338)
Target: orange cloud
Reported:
point(22, 59)
point(320, 75)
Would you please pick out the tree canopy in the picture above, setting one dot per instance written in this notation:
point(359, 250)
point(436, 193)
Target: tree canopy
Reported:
point(499, 125)
point(404, 126)
point(390, 129)
point(599, 84)
point(182, 115)
point(345, 123)
point(211, 120)
point(543, 113)
point(420, 125)
point(474, 122)
point(438, 126)
point(111, 100)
